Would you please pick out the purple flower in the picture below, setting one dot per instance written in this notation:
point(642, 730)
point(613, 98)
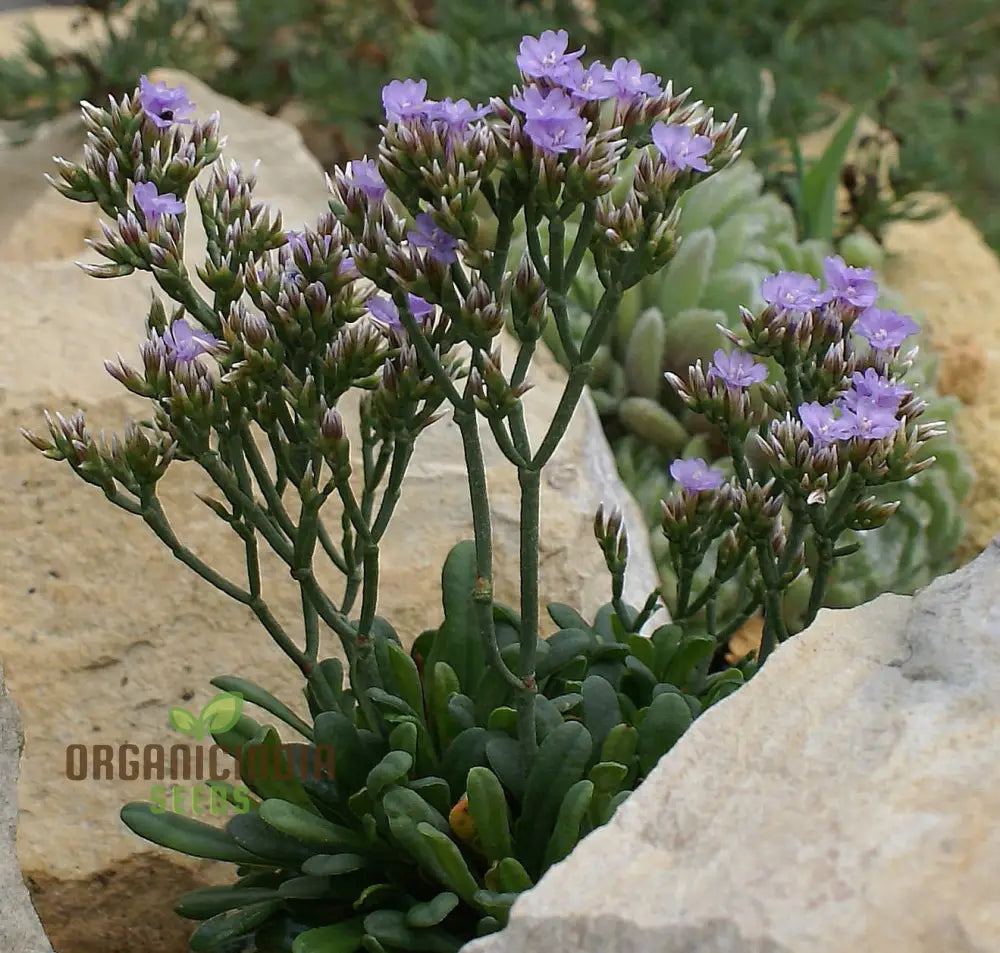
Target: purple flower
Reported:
point(558, 134)
point(869, 421)
point(538, 105)
point(347, 268)
point(593, 83)
point(153, 205)
point(457, 115)
point(164, 104)
point(441, 246)
point(552, 122)
point(856, 287)
point(873, 387)
point(297, 239)
point(793, 291)
point(363, 174)
point(185, 342)
point(696, 475)
point(386, 314)
point(681, 148)
point(405, 99)
point(884, 329)
point(631, 82)
point(545, 57)
point(737, 370)
point(823, 426)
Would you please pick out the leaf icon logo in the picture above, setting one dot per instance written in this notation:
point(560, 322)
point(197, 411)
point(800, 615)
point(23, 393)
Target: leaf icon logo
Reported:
point(220, 714)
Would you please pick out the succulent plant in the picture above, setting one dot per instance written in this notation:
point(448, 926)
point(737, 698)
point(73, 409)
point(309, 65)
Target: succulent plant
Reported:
point(417, 833)
point(733, 236)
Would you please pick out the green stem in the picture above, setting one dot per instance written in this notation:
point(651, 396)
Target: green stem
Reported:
point(530, 483)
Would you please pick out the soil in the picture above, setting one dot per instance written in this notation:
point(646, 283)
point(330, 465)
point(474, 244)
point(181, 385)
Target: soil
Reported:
point(97, 914)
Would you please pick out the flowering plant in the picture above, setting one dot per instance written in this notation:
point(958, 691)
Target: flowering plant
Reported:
point(466, 766)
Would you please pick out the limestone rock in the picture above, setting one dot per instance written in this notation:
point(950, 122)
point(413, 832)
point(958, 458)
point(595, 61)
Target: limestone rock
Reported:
point(20, 930)
point(946, 269)
point(846, 799)
point(102, 631)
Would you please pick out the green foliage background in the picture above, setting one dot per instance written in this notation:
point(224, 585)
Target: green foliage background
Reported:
point(779, 63)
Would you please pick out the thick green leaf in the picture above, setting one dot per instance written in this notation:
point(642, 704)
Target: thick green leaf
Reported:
point(562, 759)
point(451, 861)
point(564, 646)
point(566, 617)
point(185, 835)
point(666, 719)
point(601, 710)
point(820, 182)
point(644, 355)
point(335, 729)
point(434, 791)
point(407, 678)
point(497, 905)
point(504, 756)
point(333, 865)
point(572, 813)
point(467, 750)
point(211, 901)
point(390, 928)
point(268, 772)
point(488, 807)
point(218, 932)
point(343, 937)
point(309, 828)
point(458, 642)
point(431, 913)
point(258, 696)
point(686, 276)
point(392, 769)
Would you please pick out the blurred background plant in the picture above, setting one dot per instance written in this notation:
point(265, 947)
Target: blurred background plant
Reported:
point(927, 72)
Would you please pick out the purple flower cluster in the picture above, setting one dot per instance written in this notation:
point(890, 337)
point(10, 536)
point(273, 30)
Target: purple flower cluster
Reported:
point(386, 314)
point(363, 175)
point(736, 370)
point(426, 233)
point(185, 342)
point(854, 289)
point(866, 411)
point(152, 204)
point(163, 104)
point(405, 100)
point(696, 475)
point(552, 121)
point(681, 148)
point(547, 58)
